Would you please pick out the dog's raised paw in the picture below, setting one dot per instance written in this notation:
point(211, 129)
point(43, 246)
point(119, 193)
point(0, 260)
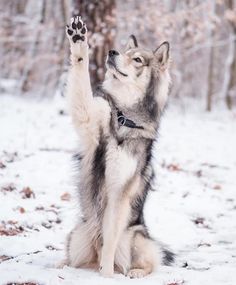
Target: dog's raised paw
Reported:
point(136, 273)
point(77, 30)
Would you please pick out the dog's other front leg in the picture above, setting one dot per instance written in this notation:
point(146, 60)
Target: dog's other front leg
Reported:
point(114, 222)
point(79, 91)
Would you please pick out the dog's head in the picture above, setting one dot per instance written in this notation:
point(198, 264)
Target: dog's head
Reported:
point(129, 72)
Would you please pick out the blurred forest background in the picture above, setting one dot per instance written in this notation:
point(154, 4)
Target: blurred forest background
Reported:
point(202, 33)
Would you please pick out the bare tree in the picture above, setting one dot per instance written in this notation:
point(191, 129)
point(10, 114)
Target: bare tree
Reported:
point(34, 50)
point(211, 66)
point(32, 43)
point(231, 17)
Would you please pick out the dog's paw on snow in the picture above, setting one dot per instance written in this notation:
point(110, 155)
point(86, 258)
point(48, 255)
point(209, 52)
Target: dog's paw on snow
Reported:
point(136, 273)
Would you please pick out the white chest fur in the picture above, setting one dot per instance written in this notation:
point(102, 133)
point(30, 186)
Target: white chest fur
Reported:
point(120, 166)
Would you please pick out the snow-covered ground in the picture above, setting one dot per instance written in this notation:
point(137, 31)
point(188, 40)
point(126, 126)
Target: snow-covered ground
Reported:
point(193, 209)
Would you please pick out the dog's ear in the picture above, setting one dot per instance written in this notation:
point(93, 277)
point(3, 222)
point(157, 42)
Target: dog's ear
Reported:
point(162, 54)
point(132, 42)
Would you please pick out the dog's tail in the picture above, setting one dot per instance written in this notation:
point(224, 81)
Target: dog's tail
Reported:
point(168, 256)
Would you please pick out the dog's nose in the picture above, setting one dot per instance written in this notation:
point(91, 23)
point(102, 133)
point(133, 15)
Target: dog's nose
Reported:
point(113, 53)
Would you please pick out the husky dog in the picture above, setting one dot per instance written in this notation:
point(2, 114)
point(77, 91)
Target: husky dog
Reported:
point(117, 127)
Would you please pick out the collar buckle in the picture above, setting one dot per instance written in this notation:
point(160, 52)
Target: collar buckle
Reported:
point(124, 121)
point(121, 119)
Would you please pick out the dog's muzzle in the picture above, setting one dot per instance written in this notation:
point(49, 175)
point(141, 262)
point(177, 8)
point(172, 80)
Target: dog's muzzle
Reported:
point(111, 61)
point(111, 57)
point(112, 53)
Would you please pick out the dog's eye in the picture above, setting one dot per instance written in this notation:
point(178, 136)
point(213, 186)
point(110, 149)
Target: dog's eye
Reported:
point(137, 59)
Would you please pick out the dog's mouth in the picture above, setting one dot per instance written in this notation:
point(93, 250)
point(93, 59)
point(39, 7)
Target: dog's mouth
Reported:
point(111, 63)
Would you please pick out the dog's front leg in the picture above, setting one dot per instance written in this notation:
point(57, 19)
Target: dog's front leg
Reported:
point(114, 222)
point(79, 90)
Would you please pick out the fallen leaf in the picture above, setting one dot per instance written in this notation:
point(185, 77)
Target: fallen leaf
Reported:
point(51, 247)
point(2, 165)
point(21, 210)
point(180, 282)
point(204, 244)
point(58, 221)
point(9, 156)
point(47, 225)
point(217, 187)
point(8, 187)
point(185, 194)
point(201, 222)
point(27, 193)
point(11, 222)
point(39, 208)
point(24, 283)
point(4, 258)
point(199, 173)
point(66, 196)
point(10, 228)
point(55, 206)
point(174, 167)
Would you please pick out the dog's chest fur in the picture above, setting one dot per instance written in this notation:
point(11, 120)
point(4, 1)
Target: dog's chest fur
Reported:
point(107, 170)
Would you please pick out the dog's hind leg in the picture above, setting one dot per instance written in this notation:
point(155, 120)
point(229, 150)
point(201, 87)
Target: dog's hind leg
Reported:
point(123, 253)
point(80, 248)
point(137, 254)
point(145, 253)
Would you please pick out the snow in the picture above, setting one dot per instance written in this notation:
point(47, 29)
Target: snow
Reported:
point(193, 209)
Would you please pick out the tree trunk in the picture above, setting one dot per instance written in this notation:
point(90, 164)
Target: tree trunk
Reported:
point(99, 16)
point(210, 78)
point(211, 69)
point(33, 44)
point(232, 80)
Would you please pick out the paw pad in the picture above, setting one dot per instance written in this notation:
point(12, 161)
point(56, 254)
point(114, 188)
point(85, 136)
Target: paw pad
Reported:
point(79, 25)
point(70, 32)
point(76, 30)
point(76, 38)
point(83, 31)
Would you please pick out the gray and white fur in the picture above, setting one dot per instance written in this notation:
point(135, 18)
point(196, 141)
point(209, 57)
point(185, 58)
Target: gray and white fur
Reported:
point(114, 158)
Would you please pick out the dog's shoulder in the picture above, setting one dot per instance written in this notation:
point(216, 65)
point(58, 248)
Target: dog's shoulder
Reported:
point(100, 92)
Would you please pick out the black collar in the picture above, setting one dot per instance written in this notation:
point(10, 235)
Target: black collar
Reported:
point(124, 121)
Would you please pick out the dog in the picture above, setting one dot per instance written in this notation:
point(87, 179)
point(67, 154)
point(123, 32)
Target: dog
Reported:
point(117, 126)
